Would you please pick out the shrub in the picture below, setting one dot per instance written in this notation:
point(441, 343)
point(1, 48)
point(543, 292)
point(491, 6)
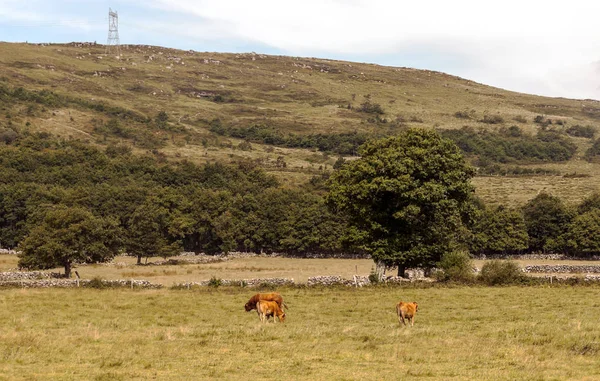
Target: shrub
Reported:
point(462, 114)
point(371, 108)
point(373, 277)
point(520, 119)
point(97, 283)
point(214, 282)
point(492, 119)
point(456, 266)
point(245, 146)
point(497, 272)
point(581, 131)
point(542, 120)
point(593, 152)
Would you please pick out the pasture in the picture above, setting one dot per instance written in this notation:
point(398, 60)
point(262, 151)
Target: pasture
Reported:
point(462, 333)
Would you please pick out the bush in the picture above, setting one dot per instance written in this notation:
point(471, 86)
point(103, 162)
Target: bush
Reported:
point(214, 282)
point(97, 283)
point(462, 114)
point(373, 277)
point(520, 119)
point(371, 108)
point(542, 120)
point(497, 272)
point(492, 119)
point(582, 131)
point(456, 266)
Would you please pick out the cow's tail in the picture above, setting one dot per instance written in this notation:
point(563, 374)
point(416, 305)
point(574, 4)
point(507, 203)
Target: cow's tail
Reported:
point(285, 305)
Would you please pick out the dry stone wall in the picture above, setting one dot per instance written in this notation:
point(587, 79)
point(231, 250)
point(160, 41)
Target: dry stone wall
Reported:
point(257, 282)
point(562, 269)
point(26, 275)
point(66, 283)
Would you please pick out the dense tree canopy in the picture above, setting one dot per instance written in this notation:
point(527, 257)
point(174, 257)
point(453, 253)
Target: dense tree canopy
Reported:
point(546, 218)
point(406, 198)
point(499, 231)
point(583, 237)
point(69, 235)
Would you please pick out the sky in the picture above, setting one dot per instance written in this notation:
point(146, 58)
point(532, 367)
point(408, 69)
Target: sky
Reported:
point(549, 47)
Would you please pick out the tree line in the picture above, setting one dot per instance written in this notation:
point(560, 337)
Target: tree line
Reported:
point(65, 201)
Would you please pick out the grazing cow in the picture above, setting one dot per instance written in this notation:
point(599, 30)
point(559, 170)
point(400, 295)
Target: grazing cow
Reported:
point(266, 308)
point(407, 311)
point(272, 296)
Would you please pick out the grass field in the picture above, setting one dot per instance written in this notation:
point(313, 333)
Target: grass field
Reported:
point(331, 334)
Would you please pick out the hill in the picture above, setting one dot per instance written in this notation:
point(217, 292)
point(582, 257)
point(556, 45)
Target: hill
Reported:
point(292, 115)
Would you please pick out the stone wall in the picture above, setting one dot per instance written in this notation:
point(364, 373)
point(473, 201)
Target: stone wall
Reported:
point(257, 282)
point(543, 257)
point(67, 283)
point(26, 275)
point(562, 269)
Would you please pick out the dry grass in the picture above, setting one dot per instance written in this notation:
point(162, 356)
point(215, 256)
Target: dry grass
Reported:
point(242, 268)
point(459, 334)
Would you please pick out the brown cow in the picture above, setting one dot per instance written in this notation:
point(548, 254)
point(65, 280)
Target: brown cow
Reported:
point(272, 296)
point(266, 308)
point(407, 311)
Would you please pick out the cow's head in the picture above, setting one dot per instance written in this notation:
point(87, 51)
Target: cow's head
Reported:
point(281, 317)
point(248, 307)
point(416, 306)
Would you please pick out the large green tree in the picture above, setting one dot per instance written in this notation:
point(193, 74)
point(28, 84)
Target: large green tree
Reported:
point(69, 235)
point(153, 231)
point(499, 231)
point(583, 235)
point(546, 218)
point(407, 198)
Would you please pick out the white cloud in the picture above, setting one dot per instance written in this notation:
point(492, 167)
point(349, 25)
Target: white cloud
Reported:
point(508, 43)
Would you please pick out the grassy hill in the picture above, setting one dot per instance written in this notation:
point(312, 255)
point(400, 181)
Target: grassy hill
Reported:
point(192, 105)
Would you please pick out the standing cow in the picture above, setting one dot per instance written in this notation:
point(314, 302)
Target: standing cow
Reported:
point(407, 311)
point(266, 308)
point(272, 296)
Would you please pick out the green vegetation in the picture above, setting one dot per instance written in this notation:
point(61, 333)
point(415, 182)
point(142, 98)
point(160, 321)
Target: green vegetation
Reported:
point(510, 146)
point(406, 198)
point(342, 143)
point(455, 266)
point(581, 131)
point(497, 272)
point(593, 153)
point(546, 218)
point(159, 208)
point(69, 235)
point(498, 231)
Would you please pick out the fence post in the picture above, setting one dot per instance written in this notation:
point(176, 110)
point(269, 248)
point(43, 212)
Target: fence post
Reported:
point(132, 283)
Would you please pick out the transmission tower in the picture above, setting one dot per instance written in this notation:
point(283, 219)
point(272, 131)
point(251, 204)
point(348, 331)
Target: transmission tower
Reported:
point(113, 32)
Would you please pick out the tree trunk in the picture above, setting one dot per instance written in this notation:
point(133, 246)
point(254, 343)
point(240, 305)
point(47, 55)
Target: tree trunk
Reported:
point(67, 270)
point(380, 270)
point(139, 261)
point(402, 271)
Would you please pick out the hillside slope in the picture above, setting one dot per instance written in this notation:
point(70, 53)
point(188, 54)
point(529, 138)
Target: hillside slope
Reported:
point(202, 92)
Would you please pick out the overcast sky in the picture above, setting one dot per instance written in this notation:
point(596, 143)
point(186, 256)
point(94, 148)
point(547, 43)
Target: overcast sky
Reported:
point(540, 47)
